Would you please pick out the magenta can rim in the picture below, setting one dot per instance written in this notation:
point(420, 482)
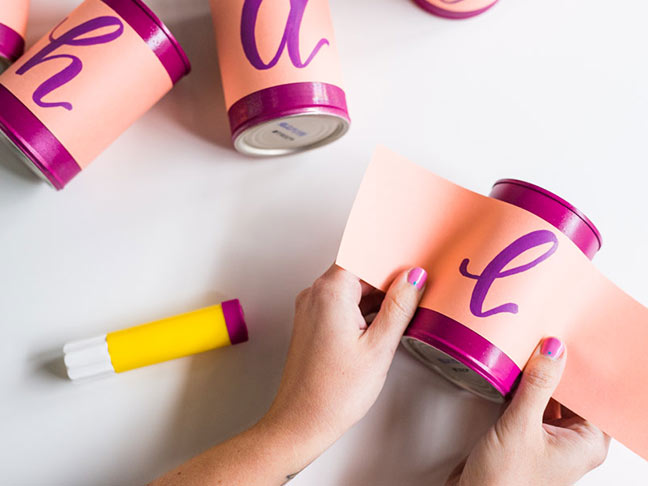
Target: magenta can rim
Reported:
point(12, 43)
point(149, 27)
point(448, 14)
point(287, 100)
point(474, 351)
point(35, 141)
point(553, 209)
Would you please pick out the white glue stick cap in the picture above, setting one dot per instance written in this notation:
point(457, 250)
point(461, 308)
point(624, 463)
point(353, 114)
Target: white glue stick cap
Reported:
point(87, 359)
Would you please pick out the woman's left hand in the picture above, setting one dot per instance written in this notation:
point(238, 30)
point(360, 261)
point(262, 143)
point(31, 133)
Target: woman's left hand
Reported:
point(336, 367)
point(337, 363)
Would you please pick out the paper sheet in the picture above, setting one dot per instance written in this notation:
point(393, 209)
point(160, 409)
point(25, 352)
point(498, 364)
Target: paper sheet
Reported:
point(406, 216)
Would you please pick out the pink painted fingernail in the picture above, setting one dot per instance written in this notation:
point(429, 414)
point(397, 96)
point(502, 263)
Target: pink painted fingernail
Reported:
point(552, 348)
point(417, 277)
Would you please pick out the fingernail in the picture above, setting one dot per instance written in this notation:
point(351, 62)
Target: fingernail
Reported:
point(552, 348)
point(417, 277)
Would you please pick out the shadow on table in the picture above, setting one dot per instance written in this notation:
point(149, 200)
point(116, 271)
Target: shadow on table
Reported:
point(421, 428)
point(197, 101)
point(229, 389)
point(50, 364)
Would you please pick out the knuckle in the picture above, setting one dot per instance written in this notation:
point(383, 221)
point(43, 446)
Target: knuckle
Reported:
point(599, 454)
point(395, 308)
point(301, 298)
point(539, 377)
point(321, 287)
point(504, 430)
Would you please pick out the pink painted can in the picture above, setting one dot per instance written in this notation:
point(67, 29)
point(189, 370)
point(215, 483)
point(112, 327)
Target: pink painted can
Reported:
point(13, 24)
point(281, 74)
point(456, 9)
point(460, 354)
point(78, 88)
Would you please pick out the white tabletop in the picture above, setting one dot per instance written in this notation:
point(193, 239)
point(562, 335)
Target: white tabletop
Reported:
point(170, 219)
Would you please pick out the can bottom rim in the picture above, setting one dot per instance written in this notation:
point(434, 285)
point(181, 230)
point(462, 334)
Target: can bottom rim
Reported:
point(292, 133)
point(449, 14)
point(466, 377)
point(20, 155)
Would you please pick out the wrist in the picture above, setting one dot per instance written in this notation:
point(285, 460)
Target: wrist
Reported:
point(297, 438)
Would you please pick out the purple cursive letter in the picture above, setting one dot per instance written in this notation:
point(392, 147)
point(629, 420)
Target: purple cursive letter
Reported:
point(290, 38)
point(76, 36)
point(495, 270)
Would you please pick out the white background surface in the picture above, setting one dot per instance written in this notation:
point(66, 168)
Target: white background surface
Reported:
point(170, 219)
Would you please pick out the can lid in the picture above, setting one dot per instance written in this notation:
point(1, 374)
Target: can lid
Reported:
point(156, 34)
point(235, 321)
point(288, 118)
point(87, 358)
point(454, 13)
point(553, 209)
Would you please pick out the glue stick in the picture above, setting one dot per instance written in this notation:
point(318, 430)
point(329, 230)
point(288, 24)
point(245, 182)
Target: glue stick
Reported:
point(174, 337)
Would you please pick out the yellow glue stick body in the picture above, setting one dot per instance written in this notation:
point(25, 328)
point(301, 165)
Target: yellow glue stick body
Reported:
point(194, 332)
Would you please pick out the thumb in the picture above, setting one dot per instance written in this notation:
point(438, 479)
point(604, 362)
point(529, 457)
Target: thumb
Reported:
point(539, 381)
point(398, 308)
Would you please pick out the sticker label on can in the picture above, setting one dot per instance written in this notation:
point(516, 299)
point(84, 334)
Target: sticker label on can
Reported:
point(88, 80)
point(266, 43)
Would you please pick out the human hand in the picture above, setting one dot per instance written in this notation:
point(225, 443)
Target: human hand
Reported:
point(337, 363)
point(336, 367)
point(537, 441)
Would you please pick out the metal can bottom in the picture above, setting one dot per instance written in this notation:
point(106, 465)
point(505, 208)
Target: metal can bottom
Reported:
point(291, 134)
point(4, 64)
point(7, 146)
point(289, 118)
point(461, 355)
point(452, 370)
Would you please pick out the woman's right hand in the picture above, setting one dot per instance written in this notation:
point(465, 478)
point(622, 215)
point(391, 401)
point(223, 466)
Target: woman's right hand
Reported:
point(536, 442)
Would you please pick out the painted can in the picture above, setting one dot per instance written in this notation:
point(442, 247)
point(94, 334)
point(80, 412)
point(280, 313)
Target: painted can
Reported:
point(456, 9)
point(13, 24)
point(78, 88)
point(460, 354)
point(281, 74)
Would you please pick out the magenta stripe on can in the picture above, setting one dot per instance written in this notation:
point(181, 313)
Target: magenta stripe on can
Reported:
point(449, 14)
point(235, 321)
point(286, 100)
point(466, 346)
point(553, 209)
point(36, 142)
point(12, 44)
point(153, 31)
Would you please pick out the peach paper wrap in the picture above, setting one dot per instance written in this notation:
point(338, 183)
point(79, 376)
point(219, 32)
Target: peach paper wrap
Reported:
point(119, 82)
point(241, 78)
point(406, 216)
point(14, 13)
